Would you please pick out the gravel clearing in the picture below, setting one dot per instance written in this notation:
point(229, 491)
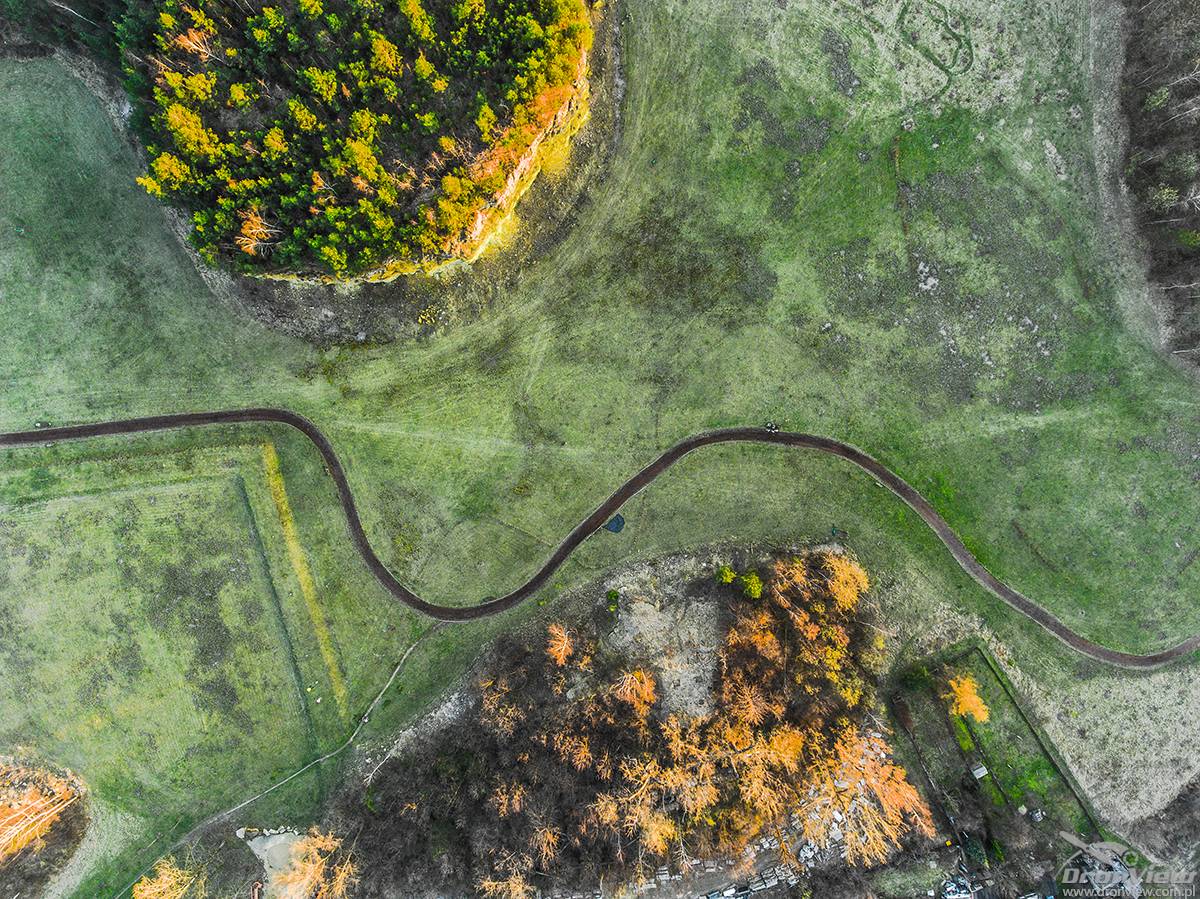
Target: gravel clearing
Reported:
point(671, 619)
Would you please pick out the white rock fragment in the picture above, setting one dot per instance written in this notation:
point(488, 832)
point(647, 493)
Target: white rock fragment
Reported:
point(1054, 160)
point(927, 281)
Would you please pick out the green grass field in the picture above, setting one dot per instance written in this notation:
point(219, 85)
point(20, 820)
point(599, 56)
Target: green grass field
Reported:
point(154, 641)
point(850, 225)
point(120, 609)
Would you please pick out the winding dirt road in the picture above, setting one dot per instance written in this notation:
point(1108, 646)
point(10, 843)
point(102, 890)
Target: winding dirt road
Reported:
point(606, 510)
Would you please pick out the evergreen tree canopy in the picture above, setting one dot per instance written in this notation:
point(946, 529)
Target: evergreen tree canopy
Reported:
point(332, 136)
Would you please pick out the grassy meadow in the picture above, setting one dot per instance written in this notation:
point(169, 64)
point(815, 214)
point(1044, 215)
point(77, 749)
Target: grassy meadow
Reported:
point(878, 227)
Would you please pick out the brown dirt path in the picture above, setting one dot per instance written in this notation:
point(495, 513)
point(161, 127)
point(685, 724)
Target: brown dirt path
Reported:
point(901, 488)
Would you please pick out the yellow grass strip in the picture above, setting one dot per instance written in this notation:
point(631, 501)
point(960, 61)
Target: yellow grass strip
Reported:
point(299, 562)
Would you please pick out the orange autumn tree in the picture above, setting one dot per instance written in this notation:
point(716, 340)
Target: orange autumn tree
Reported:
point(255, 232)
point(169, 880)
point(962, 692)
point(32, 801)
point(497, 712)
point(511, 886)
point(545, 842)
point(559, 645)
point(846, 580)
point(319, 869)
point(856, 786)
point(636, 688)
point(599, 780)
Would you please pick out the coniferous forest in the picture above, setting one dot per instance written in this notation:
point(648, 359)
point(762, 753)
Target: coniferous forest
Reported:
point(332, 136)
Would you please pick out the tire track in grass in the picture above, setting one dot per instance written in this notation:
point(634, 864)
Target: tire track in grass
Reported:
point(308, 587)
point(284, 636)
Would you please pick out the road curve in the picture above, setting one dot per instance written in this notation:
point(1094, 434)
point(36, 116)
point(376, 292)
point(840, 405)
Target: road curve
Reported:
point(606, 510)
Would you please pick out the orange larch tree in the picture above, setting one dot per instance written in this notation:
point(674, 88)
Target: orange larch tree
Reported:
point(962, 692)
point(169, 880)
point(857, 788)
point(31, 803)
point(559, 645)
point(319, 869)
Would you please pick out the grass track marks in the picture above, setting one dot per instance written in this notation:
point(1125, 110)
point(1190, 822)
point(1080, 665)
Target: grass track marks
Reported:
point(304, 576)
